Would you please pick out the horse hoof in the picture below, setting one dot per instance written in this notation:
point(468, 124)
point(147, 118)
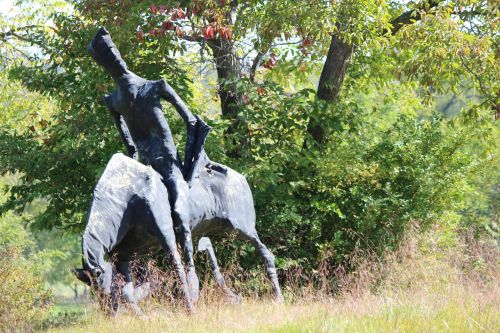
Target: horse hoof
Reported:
point(191, 310)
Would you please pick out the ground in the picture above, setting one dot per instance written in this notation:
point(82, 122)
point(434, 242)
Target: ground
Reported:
point(447, 310)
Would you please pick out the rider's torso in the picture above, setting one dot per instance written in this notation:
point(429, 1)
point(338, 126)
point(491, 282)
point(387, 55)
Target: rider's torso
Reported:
point(139, 104)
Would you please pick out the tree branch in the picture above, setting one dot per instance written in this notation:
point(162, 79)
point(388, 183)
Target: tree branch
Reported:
point(408, 17)
point(14, 33)
point(256, 64)
point(337, 60)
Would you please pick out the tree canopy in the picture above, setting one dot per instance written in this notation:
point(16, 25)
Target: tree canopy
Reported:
point(353, 120)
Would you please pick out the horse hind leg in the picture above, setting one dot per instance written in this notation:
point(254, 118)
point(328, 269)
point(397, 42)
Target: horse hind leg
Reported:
point(269, 261)
point(143, 289)
point(204, 244)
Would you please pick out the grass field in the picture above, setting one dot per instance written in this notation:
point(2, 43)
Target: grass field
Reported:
point(448, 310)
point(424, 286)
point(410, 291)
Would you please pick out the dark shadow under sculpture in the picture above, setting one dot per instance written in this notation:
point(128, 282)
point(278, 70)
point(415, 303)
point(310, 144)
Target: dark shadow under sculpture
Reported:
point(206, 198)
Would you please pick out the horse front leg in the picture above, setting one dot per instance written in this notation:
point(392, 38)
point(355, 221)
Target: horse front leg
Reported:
point(170, 246)
point(128, 290)
point(182, 220)
point(178, 197)
point(166, 235)
point(187, 247)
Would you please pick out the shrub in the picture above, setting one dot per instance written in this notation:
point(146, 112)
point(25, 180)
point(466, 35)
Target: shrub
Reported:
point(384, 169)
point(24, 300)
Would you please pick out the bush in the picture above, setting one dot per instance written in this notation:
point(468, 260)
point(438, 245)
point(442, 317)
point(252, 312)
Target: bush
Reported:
point(24, 300)
point(384, 169)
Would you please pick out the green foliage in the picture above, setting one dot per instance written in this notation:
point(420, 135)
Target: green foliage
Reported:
point(24, 299)
point(60, 253)
point(382, 171)
point(481, 211)
point(62, 156)
point(390, 161)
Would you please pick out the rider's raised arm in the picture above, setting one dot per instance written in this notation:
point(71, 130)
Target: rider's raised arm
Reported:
point(171, 96)
point(122, 129)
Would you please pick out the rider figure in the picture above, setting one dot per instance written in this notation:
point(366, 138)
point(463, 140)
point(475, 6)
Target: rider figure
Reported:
point(137, 111)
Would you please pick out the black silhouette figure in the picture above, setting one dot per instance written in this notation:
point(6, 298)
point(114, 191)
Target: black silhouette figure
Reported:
point(136, 108)
point(131, 215)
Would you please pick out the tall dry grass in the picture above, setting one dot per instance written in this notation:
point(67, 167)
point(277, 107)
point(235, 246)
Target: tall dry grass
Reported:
point(421, 287)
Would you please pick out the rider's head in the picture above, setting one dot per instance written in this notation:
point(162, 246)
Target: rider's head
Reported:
point(104, 51)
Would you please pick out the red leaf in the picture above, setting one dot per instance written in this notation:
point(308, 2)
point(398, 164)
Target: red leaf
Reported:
point(178, 14)
point(179, 32)
point(225, 33)
point(261, 91)
point(208, 32)
point(271, 62)
point(306, 42)
point(168, 25)
point(245, 99)
point(153, 8)
point(140, 35)
point(163, 9)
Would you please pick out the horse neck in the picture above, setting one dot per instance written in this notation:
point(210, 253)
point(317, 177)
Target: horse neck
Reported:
point(92, 251)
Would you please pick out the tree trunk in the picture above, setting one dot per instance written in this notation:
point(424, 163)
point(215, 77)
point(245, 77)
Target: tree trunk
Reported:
point(332, 76)
point(337, 60)
point(228, 74)
point(330, 81)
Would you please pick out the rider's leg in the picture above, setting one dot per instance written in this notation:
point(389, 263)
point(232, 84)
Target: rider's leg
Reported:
point(178, 191)
point(196, 144)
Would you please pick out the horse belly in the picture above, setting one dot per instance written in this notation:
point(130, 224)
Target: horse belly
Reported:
point(212, 227)
point(137, 242)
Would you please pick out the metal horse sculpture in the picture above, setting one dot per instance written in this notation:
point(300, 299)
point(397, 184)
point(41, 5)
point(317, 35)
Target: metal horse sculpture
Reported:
point(136, 107)
point(128, 218)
